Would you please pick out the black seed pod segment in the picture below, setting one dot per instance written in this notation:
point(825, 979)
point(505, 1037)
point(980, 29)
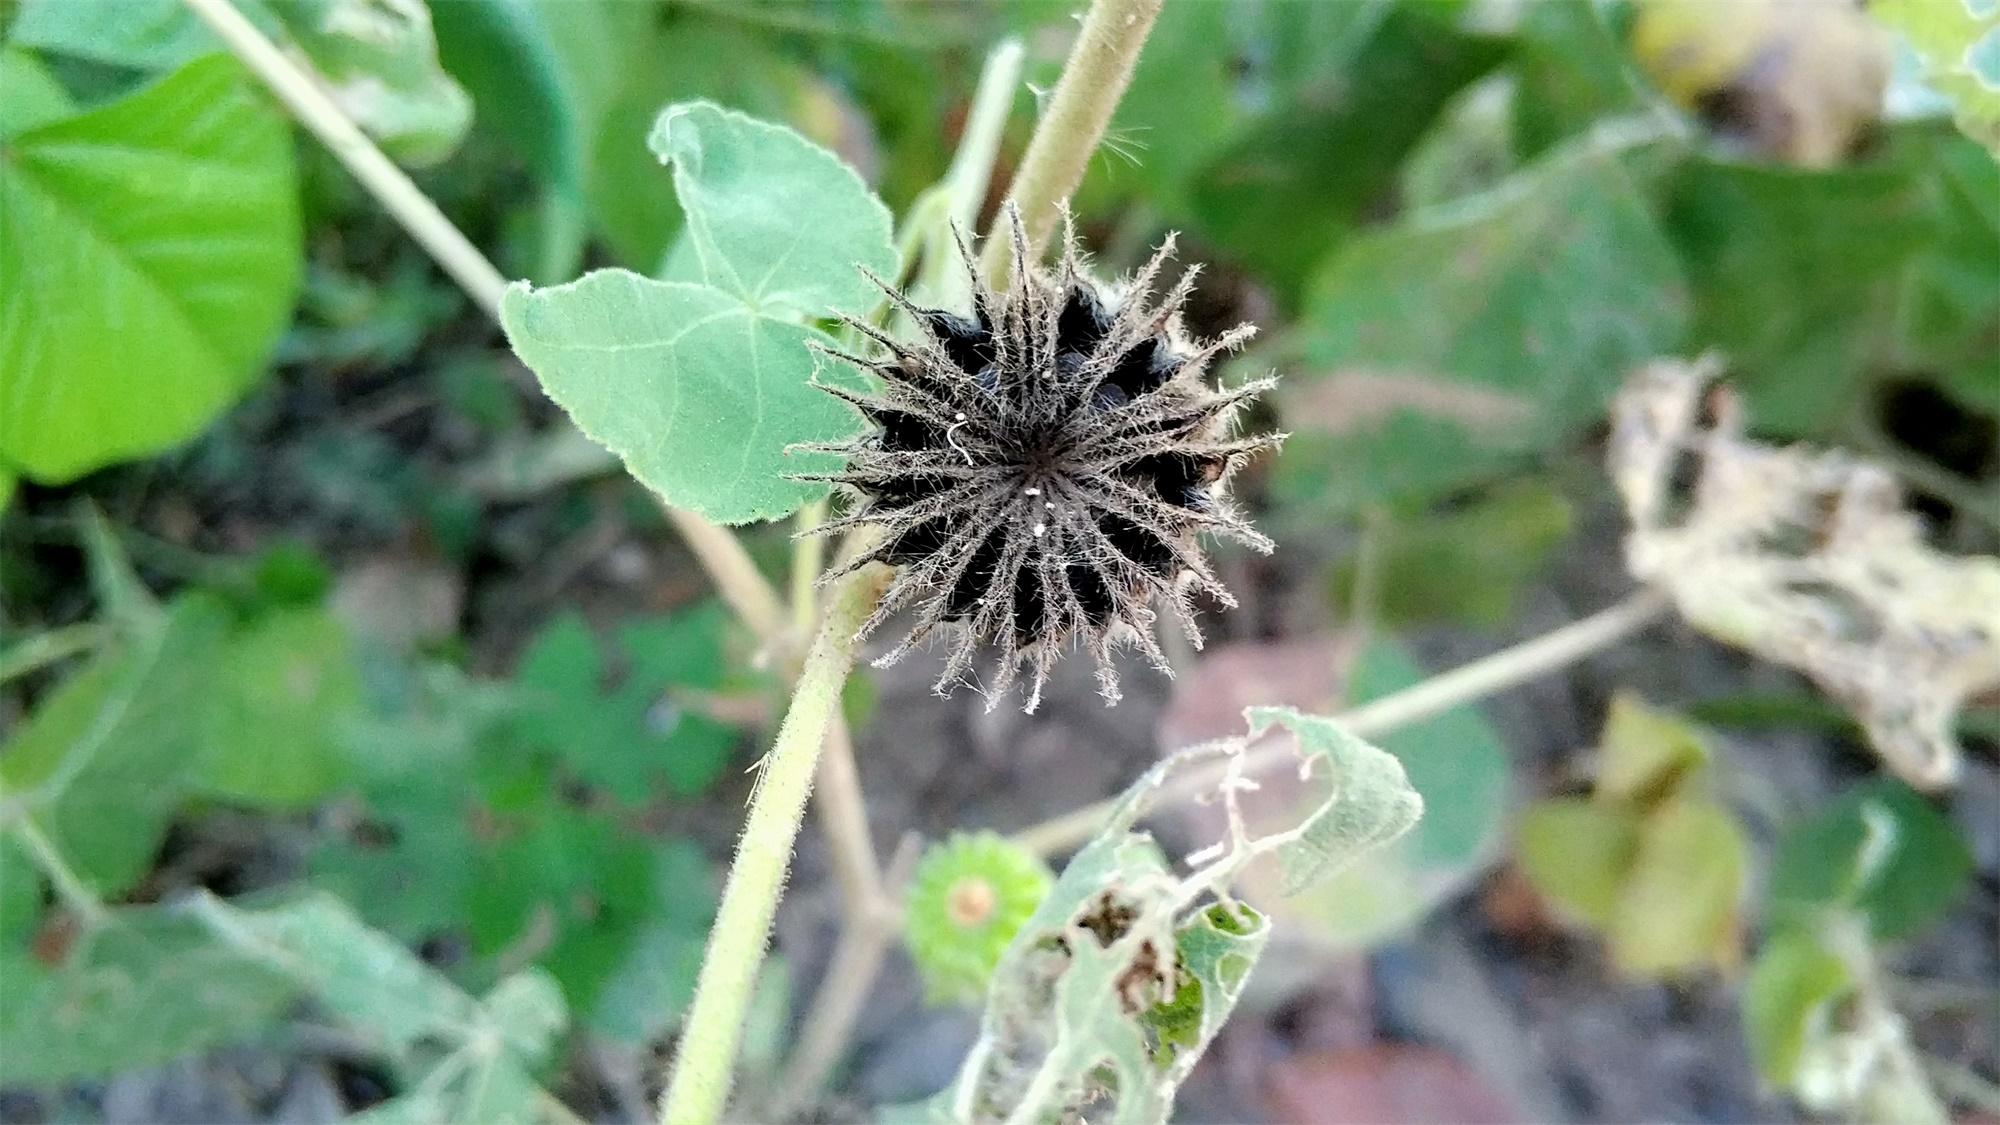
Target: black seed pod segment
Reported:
point(1042, 468)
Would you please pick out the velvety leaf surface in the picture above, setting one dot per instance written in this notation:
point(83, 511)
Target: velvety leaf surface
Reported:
point(695, 392)
point(774, 219)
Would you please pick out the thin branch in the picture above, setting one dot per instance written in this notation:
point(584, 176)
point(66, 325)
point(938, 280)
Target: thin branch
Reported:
point(51, 646)
point(704, 1067)
point(849, 982)
point(70, 887)
point(305, 95)
point(843, 819)
point(735, 575)
point(728, 565)
point(1093, 79)
point(1465, 684)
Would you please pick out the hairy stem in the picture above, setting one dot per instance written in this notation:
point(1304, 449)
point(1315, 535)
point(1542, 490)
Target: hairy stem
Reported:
point(307, 98)
point(1465, 684)
point(705, 1064)
point(1093, 79)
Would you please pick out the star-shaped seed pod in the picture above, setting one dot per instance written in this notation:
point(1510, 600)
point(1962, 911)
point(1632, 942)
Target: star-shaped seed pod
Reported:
point(1042, 469)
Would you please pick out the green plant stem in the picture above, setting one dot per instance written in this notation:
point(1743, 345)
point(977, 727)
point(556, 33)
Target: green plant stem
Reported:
point(39, 650)
point(1465, 684)
point(749, 594)
point(1094, 77)
point(306, 97)
point(736, 577)
point(70, 887)
point(704, 1066)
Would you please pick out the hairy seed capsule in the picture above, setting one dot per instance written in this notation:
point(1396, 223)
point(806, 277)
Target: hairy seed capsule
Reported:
point(1042, 467)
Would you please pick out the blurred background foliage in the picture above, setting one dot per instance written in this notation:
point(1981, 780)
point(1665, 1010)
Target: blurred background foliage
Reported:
point(310, 603)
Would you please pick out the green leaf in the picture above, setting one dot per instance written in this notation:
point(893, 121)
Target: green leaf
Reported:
point(20, 894)
point(744, 185)
point(541, 72)
point(1466, 563)
point(1468, 336)
point(625, 738)
point(1372, 799)
point(285, 687)
point(102, 763)
point(378, 57)
point(379, 60)
point(1458, 766)
point(1881, 850)
point(477, 1054)
point(689, 57)
point(1577, 852)
point(1285, 191)
point(1795, 275)
point(1951, 308)
point(1571, 71)
point(29, 94)
point(150, 35)
point(1679, 903)
point(152, 256)
point(1959, 42)
point(1646, 755)
point(695, 392)
point(145, 988)
point(1788, 1000)
point(364, 977)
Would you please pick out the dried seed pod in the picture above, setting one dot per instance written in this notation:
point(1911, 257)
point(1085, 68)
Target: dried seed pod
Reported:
point(1041, 468)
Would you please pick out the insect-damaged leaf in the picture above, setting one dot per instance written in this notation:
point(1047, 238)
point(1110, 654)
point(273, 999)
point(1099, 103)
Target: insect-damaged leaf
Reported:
point(1807, 559)
point(1372, 802)
point(1120, 979)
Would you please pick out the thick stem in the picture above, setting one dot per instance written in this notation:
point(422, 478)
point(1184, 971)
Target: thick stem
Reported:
point(1093, 79)
point(704, 1067)
point(1465, 684)
point(304, 95)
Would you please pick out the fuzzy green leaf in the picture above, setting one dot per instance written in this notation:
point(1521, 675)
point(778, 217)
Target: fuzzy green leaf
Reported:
point(1467, 336)
point(151, 257)
point(696, 393)
point(774, 219)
